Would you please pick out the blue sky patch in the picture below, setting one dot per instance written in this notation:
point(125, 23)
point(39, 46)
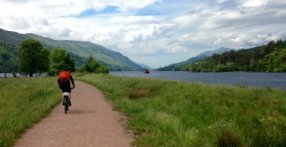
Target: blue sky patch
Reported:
point(91, 12)
point(148, 12)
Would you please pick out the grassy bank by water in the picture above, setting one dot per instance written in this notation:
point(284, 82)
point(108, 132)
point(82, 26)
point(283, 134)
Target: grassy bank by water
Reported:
point(170, 113)
point(24, 101)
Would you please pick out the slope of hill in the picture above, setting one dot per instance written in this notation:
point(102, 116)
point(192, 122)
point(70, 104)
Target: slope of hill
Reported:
point(144, 66)
point(182, 66)
point(10, 41)
point(216, 51)
point(265, 58)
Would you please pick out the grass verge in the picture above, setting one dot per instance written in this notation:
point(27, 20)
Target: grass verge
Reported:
point(170, 113)
point(23, 102)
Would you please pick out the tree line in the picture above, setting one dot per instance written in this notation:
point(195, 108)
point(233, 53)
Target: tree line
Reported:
point(33, 58)
point(266, 58)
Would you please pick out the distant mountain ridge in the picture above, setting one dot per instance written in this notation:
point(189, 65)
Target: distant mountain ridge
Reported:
point(79, 50)
point(144, 66)
point(265, 58)
point(182, 65)
point(216, 51)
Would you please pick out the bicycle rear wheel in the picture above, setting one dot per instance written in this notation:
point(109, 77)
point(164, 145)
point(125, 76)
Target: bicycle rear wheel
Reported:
point(66, 104)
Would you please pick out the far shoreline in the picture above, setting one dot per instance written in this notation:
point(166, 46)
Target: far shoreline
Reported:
point(276, 80)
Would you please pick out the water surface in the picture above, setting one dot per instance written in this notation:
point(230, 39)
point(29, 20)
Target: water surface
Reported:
point(249, 79)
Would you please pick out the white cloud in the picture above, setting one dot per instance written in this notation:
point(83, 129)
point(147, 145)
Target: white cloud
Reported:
point(177, 31)
point(18, 1)
point(132, 19)
point(16, 22)
point(142, 33)
point(254, 3)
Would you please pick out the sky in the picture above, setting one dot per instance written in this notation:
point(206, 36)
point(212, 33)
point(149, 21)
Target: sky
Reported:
point(151, 32)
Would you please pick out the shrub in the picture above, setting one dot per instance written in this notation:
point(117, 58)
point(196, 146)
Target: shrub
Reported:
point(138, 93)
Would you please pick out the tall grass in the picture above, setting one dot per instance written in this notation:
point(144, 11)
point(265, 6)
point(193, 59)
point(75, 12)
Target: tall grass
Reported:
point(23, 102)
point(170, 113)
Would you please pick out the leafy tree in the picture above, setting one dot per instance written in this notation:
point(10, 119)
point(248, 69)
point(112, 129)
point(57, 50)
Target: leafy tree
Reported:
point(4, 62)
point(33, 57)
point(92, 66)
point(60, 59)
point(11, 61)
point(229, 66)
point(276, 61)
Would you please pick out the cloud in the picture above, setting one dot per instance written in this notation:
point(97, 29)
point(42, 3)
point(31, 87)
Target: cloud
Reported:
point(18, 1)
point(142, 33)
point(254, 3)
point(16, 22)
point(153, 32)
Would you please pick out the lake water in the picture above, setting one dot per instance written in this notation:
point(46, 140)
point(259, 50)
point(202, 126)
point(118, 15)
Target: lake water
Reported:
point(10, 75)
point(248, 79)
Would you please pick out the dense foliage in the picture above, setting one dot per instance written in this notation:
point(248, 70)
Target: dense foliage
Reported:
point(183, 66)
point(33, 57)
point(8, 57)
point(93, 67)
point(7, 62)
point(79, 51)
point(60, 59)
point(270, 58)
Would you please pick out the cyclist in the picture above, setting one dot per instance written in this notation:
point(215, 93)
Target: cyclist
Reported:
point(64, 81)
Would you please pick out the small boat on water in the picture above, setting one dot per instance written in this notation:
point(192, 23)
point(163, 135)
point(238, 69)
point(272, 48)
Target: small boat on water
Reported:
point(146, 71)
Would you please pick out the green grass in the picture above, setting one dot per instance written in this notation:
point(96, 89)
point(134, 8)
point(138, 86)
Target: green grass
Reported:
point(170, 113)
point(23, 102)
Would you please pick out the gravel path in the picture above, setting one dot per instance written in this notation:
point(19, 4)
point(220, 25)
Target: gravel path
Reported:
point(90, 122)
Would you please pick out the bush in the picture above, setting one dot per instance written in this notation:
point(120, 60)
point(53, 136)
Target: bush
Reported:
point(138, 93)
point(93, 67)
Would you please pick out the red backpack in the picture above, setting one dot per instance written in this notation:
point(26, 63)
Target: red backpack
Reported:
point(65, 76)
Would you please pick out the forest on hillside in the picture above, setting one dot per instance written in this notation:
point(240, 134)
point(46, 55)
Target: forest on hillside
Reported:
point(266, 58)
point(78, 50)
point(32, 58)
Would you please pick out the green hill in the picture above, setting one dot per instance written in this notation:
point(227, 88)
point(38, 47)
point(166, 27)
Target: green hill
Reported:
point(182, 66)
point(10, 41)
point(265, 58)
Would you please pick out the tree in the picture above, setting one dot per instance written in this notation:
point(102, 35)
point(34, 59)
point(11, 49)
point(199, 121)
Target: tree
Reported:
point(276, 61)
point(60, 59)
point(4, 62)
point(33, 57)
point(45, 61)
point(92, 66)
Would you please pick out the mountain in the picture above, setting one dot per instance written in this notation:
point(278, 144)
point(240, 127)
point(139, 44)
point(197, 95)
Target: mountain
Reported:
point(79, 50)
point(144, 66)
point(216, 51)
point(179, 66)
point(182, 65)
point(265, 58)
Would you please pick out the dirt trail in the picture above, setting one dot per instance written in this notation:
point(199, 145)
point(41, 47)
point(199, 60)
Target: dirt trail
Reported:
point(91, 122)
